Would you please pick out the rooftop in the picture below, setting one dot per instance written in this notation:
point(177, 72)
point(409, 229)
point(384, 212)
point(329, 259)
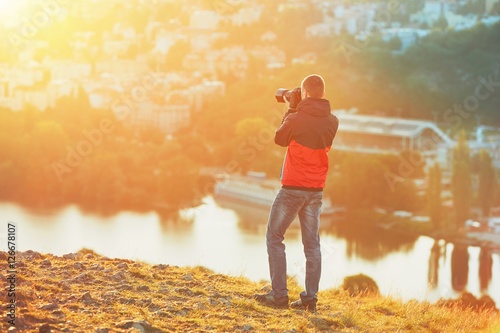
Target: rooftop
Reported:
point(387, 126)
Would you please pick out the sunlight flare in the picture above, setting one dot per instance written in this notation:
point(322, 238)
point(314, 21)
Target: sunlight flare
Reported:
point(9, 7)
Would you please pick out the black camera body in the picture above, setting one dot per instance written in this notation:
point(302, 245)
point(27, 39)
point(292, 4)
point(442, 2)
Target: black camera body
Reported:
point(282, 93)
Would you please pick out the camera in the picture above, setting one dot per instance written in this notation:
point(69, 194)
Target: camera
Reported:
point(282, 93)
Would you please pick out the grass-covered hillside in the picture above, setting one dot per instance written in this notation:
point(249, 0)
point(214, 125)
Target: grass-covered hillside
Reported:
point(86, 292)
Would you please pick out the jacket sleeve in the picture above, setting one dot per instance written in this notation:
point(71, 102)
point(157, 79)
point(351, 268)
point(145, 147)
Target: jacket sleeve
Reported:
point(284, 133)
point(335, 126)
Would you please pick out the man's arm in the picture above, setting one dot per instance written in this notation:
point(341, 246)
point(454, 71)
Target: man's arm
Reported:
point(284, 133)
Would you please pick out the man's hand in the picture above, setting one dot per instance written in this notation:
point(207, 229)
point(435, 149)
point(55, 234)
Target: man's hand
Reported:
point(294, 101)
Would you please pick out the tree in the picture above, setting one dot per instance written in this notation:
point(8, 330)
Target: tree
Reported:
point(49, 140)
point(82, 100)
point(177, 53)
point(10, 179)
point(487, 182)
point(360, 182)
point(415, 6)
point(176, 181)
point(461, 180)
point(495, 10)
point(254, 140)
point(459, 267)
point(441, 23)
point(395, 43)
point(475, 7)
point(434, 189)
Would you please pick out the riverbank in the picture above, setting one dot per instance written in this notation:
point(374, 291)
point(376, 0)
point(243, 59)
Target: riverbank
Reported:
point(485, 240)
point(404, 225)
point(87, 292)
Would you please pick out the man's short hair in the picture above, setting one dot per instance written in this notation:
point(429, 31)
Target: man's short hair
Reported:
point(314, 85)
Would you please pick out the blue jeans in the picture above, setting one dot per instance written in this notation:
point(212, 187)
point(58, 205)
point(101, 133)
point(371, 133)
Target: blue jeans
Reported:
point(286, 206)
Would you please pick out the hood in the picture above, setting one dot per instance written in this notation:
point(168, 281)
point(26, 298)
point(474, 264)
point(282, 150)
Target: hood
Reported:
point(317, 107)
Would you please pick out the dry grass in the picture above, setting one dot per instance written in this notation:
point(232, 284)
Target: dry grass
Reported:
point(90, 293)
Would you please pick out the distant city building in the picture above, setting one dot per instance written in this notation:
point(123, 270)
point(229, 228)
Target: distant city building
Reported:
point(271, 55)
point(198, 62)
point(435, 7)
point(247, 15)
point(295, 4)
point(39, 97)
point(102, 97)
point(213, 88)
point(487, 138)
point(167, 118)
point(125, 31)
point(57, 89)
point(490, 4)
point(204, 20)
point(433, 10)
point(352, 19)
point(200, 43)
point(23, 96)
point(27, 75)
point(122, 66)
point(490, 20)
point(90, 10)
point(322, 30)
point(227, 61)
point(67, 69)
point(269, 37)
point(113, 62)
point(11, 104)
point(201, 40)
point(4, 87)
point(382, 135)
point(460, 22)
point(116, 48)
point(233, 60)
point(30, 85)
point(407, 36)
point(308, 58)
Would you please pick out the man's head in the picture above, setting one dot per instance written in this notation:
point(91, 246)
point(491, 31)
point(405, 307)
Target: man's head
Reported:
point(313, 86)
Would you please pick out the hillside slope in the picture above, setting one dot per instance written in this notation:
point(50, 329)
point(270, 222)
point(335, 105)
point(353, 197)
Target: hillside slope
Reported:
point(86, 292)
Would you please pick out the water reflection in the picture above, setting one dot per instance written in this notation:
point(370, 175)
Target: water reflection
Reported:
point(363, 242)
point(433, 276)
point(233, 242)
point(251, 219)
point(372, 243)
point(485, 268)
point(460, 267)
point(181, 223)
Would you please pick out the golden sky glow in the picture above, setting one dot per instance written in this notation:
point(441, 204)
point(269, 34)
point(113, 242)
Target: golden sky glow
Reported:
point(10, 7)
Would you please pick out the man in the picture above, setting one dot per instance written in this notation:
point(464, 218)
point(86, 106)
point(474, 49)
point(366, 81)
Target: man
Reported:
point(308, 129)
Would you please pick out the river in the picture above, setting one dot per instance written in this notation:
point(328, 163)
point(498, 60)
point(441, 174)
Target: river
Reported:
point(230, 239)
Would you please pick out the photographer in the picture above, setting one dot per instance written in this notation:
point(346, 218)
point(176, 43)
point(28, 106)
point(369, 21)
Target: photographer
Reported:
point(307, 130)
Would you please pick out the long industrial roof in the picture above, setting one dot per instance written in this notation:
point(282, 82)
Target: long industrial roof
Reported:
point(387, 126)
